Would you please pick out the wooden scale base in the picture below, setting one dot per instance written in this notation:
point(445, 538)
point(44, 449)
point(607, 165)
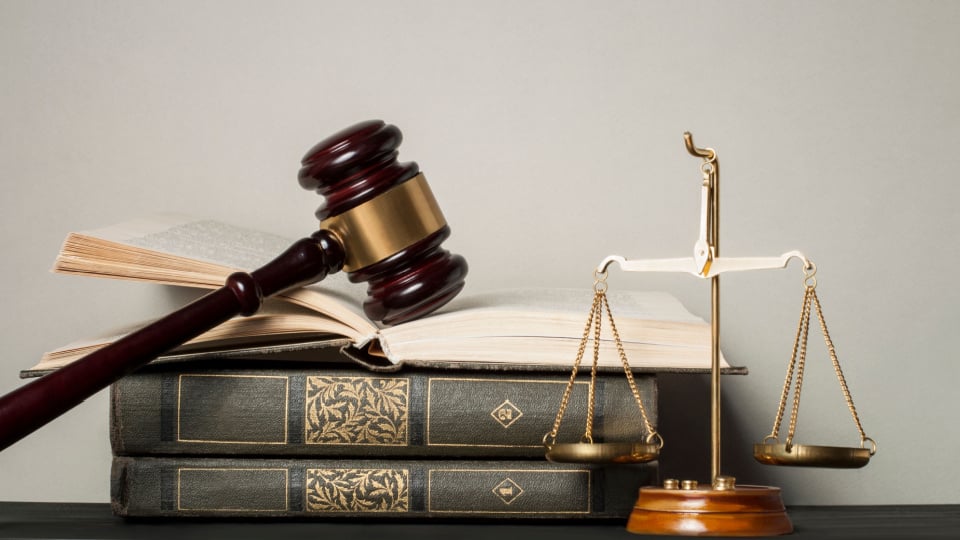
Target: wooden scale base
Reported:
point(694, 511)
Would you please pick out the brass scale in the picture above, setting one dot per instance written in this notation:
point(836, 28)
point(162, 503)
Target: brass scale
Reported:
point(707, 264)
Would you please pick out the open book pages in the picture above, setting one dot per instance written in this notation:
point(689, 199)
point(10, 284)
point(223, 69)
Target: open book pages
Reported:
point(277, 324)
point(176, 249)
point(544, 327)
point(532, 327)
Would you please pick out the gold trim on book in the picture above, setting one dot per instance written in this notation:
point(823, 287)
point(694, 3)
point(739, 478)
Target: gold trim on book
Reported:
point(506, 478)
point(286, 489)
point(286, 407)
point(506, 413)
point(427, 427)
point(357, 490)
point(387, 224)
point(333, 406)
point(507, 490)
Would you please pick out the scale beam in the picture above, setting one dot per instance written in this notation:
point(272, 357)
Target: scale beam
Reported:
point(717, 266)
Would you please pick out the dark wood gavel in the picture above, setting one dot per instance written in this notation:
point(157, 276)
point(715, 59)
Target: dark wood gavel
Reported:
point(380, 223)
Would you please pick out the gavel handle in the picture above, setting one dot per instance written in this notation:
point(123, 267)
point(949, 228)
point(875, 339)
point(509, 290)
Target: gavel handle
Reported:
point(31, 406)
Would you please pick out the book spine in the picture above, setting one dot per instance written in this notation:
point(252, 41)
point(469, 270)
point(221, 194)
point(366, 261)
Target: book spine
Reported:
point(306, 488)
point(331, 413)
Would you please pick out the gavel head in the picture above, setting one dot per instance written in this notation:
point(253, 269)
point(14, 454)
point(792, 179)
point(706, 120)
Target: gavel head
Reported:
point(387, 220)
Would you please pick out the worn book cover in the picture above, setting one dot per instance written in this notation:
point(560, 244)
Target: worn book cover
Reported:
point(307, 411)
point(324, 489)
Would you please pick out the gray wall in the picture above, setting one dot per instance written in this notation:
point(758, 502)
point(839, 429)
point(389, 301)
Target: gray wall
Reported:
point(552, 135)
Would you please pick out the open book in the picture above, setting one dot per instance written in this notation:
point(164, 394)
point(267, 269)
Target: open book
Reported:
point(519, 328)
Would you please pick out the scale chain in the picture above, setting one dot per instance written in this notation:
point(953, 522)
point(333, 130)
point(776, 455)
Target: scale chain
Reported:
point(591, 393)
point(797, 364)
point(652, 433)
point(801, 364)
point(836, 367)
point(788, 382)
point(594, 323)
point(552, 434)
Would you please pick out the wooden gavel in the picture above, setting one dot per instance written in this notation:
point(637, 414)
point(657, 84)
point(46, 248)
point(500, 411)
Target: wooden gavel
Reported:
point(380, 223)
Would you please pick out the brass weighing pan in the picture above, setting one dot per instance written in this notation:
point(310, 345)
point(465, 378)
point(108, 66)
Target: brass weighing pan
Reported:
point(807, 455)
point(598, 453)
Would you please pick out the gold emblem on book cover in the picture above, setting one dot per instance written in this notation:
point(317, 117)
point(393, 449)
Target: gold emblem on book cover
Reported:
point(508, 491)
point(506, 413)
point(357, 490)
point(357, 410)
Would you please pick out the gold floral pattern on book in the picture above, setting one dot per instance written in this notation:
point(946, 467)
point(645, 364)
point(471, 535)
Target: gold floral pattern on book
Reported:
point(357, 410)
point(357, 490)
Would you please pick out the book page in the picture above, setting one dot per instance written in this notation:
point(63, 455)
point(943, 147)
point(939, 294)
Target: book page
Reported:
point(634, 304)
point(277, 321)
point(537, 325)
point(521, 351)
point(203, 240)
point(541, 312)
point(178, 249)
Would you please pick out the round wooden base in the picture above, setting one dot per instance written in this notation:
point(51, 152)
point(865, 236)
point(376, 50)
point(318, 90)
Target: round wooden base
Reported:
point(741, 511)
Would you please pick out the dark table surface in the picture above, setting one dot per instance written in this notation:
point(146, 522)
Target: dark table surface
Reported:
point(71, 520)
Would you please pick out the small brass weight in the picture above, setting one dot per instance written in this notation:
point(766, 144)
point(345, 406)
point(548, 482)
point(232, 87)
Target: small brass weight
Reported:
point(721, 507)
point(588, 451)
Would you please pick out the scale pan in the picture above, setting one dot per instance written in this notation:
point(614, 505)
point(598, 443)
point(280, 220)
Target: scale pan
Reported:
point(805, 455)
point(611, 452)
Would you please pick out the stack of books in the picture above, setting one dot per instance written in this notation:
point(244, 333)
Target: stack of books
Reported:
point(337, 441)
point(310, 410)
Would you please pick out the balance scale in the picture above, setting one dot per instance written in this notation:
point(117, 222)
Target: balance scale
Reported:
point(722, 508)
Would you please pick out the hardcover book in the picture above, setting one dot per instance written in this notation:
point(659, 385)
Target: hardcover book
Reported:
point(302, 411)
point(324, 489)
point(500, 329)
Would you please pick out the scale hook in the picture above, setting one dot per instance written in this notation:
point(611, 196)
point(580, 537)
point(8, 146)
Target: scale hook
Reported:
point(705, 153)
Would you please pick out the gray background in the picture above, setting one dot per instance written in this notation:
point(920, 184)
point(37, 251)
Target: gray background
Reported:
point(551, 133)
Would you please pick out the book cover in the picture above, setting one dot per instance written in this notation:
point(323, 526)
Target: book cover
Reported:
point(337, 488)
point(304, 411)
